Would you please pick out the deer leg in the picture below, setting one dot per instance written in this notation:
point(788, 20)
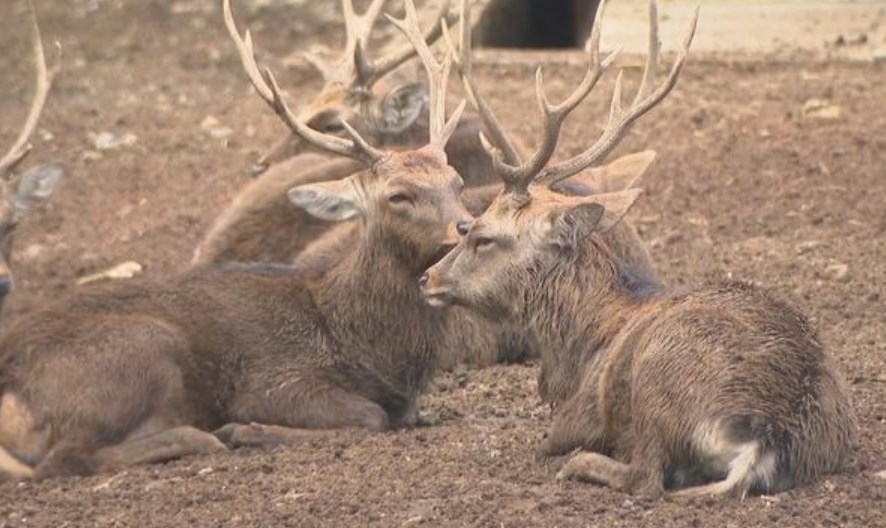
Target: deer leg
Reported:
point(166, 445)
point(12, 469)
point(597, 469)
point(643, 476)
point(261, 435)
point(575, 426)
point(315, 404)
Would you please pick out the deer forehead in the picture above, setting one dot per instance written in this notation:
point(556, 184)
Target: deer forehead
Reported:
point(426, 166)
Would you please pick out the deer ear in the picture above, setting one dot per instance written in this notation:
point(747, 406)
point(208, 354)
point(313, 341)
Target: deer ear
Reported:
point(616, 205)
point(583, 216)
point(333, 200)
point(36, 187)
point(573, 223)
point(619, 175)
point(401, 107)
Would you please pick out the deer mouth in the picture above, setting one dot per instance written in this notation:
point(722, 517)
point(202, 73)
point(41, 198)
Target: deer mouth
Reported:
point(437, 298)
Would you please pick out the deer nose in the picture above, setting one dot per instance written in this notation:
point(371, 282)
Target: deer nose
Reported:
point(5, 286)
point(463, 226)
point(423, 280)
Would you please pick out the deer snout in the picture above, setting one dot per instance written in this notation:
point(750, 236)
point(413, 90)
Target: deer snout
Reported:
point(435, 287)
point(435, 295)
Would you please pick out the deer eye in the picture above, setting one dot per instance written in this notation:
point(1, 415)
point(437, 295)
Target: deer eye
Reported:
point(333, 127)
point(400, 199)
point(482, 242)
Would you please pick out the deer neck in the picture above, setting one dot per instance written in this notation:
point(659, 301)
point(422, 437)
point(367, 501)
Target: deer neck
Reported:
point(374, 309)
point(576, 308)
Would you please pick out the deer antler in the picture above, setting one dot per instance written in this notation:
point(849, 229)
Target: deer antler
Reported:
point(464, 63)
point(519, 175)
point(22, 147)
point(353, 68)
point(268, 89)
point(438, 75)
point(620, 119)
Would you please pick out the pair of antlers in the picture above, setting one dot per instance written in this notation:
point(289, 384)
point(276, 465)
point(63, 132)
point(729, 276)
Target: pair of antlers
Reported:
point(22, 147)
point(518, 174)
point(357, 147)
point(353, 68)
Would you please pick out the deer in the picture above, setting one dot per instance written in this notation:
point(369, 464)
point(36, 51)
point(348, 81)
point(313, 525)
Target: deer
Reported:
point(21, 194)
point(260, 225)
point(719, 391)
point(152, 369)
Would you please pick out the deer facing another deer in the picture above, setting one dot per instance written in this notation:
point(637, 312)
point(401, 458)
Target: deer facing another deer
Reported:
point(719, 391)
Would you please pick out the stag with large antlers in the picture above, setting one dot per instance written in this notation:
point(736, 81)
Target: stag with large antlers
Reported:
point(20, 194)
point(719, 391)
point(139, 371)
point(260, 225)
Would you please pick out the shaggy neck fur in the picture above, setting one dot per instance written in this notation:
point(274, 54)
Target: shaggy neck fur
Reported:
point(374, 309)
point(576, 305)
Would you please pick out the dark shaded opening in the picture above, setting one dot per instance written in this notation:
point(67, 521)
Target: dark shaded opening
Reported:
point(536, 23)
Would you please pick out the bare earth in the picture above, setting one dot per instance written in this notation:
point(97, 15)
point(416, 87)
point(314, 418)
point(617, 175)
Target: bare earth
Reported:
point(752, 181)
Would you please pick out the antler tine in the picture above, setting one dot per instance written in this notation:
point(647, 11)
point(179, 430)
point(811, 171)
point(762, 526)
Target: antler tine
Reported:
point(388, 63)
point(268, 89)
point(620, 120)
point(44, 77)
point(464, 63)
point(438, 75)
point(357, 31)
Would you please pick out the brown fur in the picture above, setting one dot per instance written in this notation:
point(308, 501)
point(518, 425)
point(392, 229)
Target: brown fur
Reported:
point(127, 371)
point(730, 385)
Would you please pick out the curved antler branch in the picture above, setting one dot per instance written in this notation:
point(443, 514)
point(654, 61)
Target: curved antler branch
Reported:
point(516, 174)
point(44, 78)
point(267, 88)
point(621, 120)
point(438, 74)
point(464, 62)
point(384, 65)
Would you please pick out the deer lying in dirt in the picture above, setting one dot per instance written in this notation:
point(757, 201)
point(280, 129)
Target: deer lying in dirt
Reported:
point(724, 390)
point(21, 194)
point(137, 372)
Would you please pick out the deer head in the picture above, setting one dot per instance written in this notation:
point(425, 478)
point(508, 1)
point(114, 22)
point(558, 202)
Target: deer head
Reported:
point(529, 224)
point(19, 194)
point(408, 200)
point(352, 90)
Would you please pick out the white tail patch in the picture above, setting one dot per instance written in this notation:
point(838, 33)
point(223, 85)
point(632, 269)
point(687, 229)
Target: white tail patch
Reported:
point(745, 464)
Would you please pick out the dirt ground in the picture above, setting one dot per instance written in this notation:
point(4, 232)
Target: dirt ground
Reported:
point(757, 178)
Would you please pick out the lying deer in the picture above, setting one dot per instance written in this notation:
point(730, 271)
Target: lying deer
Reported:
point(137, 372)
point(260, 225)
point(21, 194)
point(725, 390)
